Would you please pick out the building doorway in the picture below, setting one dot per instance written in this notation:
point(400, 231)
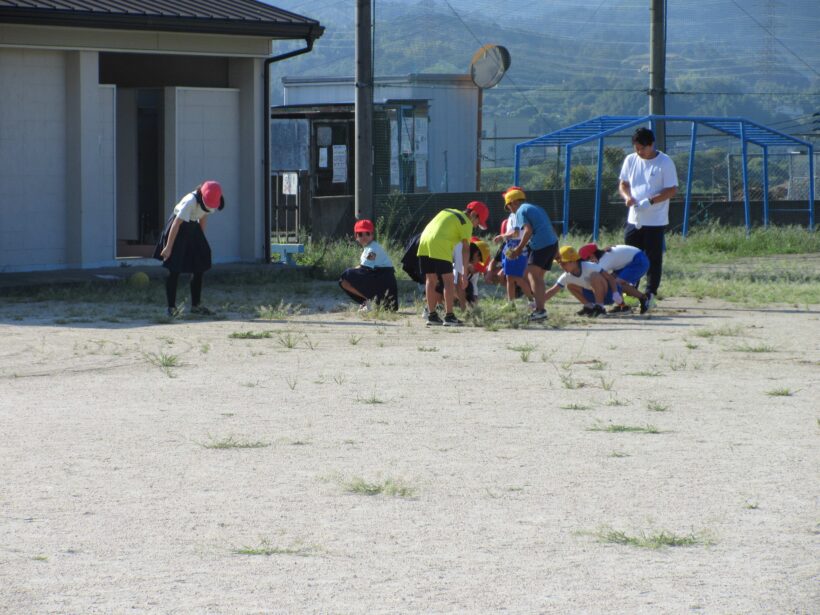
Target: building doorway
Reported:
point(140, 163)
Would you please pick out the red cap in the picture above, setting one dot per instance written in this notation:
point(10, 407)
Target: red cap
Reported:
point(479, 209)
point(364, 226)
point(587, 250)
point(211, 193)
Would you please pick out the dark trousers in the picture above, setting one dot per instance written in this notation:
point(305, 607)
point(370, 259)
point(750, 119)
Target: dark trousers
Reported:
point(650, 239)
point(171, 289)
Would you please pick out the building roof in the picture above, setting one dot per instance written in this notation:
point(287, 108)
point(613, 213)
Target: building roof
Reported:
point(233, 17)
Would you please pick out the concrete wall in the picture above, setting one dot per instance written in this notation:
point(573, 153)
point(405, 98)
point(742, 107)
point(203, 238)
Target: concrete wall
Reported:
point(206, 141)
point(33, 137)
point(127, 212)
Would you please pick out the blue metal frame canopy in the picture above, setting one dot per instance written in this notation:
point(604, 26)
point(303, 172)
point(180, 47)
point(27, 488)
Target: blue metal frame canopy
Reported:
point(607, 125)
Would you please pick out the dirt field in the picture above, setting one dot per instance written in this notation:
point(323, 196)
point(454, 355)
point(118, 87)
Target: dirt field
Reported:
point(176, 469)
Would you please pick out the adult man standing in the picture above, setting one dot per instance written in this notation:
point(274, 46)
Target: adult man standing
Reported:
point(648, 180)
point(442, 234)
point(537, 235)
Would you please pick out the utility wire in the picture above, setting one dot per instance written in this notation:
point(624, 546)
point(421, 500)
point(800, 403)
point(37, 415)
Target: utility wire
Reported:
point(770, 33)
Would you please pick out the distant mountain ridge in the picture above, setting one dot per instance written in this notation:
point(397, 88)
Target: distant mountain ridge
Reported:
point(570, 63)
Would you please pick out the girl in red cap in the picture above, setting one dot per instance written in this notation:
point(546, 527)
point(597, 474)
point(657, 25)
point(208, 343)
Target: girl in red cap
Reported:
point(182, 248)
point(374, 279)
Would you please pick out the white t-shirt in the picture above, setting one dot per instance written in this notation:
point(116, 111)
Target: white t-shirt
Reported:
point(472, 278)
point(188, 210)
point(587, 269)
point(617, 257)
point(374, 256)
point(646, 179)
point(512, 227)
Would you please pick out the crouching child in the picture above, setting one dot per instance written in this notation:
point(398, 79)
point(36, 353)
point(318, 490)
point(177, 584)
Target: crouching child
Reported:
point(374, 279)
point(586, 282)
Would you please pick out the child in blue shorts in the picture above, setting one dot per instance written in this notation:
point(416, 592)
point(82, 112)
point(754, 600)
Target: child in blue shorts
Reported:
point(626, 264)
point(513, 268)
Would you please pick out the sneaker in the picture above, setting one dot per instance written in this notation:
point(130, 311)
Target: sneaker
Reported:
point(648, 303)
point(620, 309)
point(172, 312)
point(201, 310)
point(596, 311)
point(364, 308)
point(425, 313)
point(644, 304)
point(537, 315)
point(584, 311)
point(434, 320)
point(450, 320)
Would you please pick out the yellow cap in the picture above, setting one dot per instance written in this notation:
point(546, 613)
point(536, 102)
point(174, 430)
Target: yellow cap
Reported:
point(513, 195)
point(485, 251)
point(567, 254)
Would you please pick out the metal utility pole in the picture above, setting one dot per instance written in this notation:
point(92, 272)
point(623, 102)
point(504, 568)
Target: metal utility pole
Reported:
point(364, 110)
point(657, 68)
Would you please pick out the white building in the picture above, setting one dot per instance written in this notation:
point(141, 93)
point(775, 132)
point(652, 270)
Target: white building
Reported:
point(110, 110)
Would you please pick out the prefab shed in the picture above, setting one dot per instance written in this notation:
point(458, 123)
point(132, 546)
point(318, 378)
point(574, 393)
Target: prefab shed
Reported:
point(432, 121)
point(110, 110)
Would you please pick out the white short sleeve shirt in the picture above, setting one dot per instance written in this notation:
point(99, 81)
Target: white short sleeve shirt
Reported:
point(188, 210)
point(646, 179)
point(587, 269)
point(617, 257)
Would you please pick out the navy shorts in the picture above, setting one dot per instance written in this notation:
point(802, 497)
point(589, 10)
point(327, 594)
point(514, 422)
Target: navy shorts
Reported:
point(435, 265)
point(544, 257)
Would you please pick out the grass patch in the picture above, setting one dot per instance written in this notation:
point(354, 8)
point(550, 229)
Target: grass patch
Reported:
point(653, 540)
point(427, 349)
point(722, 331)
point(288, 339)
point(656, 406)
point(780, 392)
point(164, 361)
point(619, 454)
point(390, 487)
point(280, 311)
point(575, 407)
point(267, 549)
point(371, 400)
point(754, 348)
point(649, 373)
point(617, 428)
point(250, 335)
point(231, 442)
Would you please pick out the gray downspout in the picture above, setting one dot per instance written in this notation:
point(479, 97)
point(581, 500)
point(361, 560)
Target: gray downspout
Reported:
point(266, 109)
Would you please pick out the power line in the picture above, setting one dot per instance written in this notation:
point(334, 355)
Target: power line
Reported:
point(782, 44)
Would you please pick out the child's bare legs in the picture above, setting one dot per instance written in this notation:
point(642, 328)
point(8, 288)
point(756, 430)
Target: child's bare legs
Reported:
point(536, 278)
point(449, 292)
point(525, 286)
point(577, 292)
point(430, 281)
point(511, 288)
point(599, 288)
point(630, 290)
point(346, 286)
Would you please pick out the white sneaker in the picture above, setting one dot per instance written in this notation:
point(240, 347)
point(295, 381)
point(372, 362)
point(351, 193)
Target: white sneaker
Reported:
point(365, 307)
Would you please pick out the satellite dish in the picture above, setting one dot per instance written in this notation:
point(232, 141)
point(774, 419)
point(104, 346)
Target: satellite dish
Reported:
point(489, 64)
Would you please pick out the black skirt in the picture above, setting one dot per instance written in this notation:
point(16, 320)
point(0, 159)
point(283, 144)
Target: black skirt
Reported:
point(378, 284)
point(191, 253)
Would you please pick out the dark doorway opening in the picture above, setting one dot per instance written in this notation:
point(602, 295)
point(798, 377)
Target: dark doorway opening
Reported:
point(149, 165)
